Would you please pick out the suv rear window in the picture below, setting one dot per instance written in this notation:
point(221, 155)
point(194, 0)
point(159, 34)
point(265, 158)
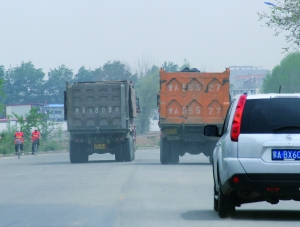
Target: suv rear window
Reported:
point(274, 115)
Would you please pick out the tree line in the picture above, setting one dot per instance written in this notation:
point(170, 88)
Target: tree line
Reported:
point(284, 18)
point(26, 84)
point(285, 76)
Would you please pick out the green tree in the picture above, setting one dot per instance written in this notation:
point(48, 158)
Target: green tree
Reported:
point(115, 71)
point(2, 94)
point(24, 84)
point(50, 131)
point(2, 71)
point(170, 67)
point(56, 83)
point(96, 74)
point(286, 75)
point(185, 64)
point(147, 89)
point(84, 75)
point(6, 142)
point(30, 121)
point(285, 18)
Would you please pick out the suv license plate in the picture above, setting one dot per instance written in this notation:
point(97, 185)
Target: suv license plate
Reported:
point(99, 146)
point(285, 154)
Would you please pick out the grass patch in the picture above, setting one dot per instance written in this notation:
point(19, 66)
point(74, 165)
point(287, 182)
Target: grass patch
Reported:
point(150, 140)
point(53, 146)
point(57, 141)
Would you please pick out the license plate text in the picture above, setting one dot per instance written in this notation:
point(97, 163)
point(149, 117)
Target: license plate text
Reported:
point(100, 146)
point(285, 154)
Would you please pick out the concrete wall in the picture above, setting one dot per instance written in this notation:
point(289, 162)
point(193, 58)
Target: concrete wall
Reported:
point(4, 125)
point(153, 125)
point(20, 110)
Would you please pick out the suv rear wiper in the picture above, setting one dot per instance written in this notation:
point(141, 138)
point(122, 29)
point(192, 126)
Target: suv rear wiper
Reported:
point(286, 127)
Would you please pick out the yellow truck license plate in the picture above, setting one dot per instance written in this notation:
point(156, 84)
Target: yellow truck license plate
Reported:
point(171, 131)
point(99, 146)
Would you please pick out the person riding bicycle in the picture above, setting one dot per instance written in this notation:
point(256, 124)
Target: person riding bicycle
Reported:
point(18, 135)
point(35, 139)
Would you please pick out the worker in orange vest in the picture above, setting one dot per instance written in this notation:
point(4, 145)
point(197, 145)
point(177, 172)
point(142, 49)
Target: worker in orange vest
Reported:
point(18, 135)
point(35, 138)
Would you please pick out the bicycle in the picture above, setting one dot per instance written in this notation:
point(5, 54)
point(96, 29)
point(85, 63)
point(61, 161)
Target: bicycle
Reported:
point(35, 148)
point(18, 143)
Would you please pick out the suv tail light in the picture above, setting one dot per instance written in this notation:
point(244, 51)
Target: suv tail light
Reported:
point(236, 124)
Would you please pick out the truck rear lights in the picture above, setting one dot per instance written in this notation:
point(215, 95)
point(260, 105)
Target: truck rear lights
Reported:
point(236, 124)
point(78, 140)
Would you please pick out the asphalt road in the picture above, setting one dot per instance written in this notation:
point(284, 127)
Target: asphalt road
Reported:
point(46, 190)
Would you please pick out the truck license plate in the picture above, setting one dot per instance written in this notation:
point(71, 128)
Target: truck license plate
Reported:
point(171, 131)
point(99, 146)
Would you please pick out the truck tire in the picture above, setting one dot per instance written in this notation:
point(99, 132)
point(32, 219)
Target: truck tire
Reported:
point(127, 151)
point(133, 153)
point(133, 145)
point(73, 153)
point(82, 153)
point(164, 151)
point(118, 152)
point(132, 149)
point(174, 152)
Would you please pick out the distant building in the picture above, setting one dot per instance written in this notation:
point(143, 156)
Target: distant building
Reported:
point(21, 109)
point(246, 79)
point(55, 112)
point(154, 122)
point(234, 92)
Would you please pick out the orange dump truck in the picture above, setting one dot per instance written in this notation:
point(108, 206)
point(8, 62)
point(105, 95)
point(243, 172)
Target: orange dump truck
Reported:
point(187, 101)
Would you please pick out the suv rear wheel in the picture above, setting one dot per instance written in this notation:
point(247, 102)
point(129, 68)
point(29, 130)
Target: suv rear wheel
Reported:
point(216, 201)
point(226, 207)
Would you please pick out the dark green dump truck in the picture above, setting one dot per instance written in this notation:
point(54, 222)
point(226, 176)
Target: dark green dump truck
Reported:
point(100, 117)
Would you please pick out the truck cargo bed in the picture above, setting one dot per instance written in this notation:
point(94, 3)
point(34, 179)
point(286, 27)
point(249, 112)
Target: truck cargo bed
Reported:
point(193, 98)
point(97, 106)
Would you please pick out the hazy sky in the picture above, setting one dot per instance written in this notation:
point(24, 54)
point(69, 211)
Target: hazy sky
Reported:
point(211, 35)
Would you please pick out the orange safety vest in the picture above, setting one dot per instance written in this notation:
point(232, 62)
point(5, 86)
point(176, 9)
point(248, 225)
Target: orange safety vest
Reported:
point(19, 135)
point(35, 135)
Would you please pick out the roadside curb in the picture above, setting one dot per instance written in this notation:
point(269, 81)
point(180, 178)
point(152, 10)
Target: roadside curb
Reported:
point(29, 153)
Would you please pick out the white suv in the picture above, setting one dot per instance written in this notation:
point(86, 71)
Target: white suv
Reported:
point(257, 157)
